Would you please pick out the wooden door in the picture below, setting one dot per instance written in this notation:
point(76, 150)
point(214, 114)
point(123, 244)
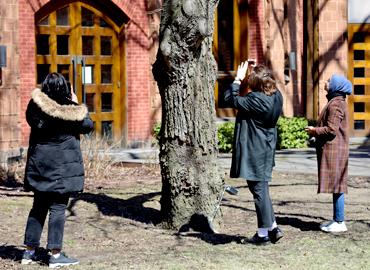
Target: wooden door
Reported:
point(81, 43)
point(359, 74)
point(230, 46)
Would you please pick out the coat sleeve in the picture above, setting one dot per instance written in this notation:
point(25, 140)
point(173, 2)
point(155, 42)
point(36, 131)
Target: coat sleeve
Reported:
point(231, 93)
point(86, 125)
point(34, 116)
point(334, 116)
point(248, 103)
point(80, 127)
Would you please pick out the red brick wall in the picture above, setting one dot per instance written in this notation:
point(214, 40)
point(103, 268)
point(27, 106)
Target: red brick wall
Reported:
point(275, 42)
point(10, 131)
point(27, 67)
point(284, 32)
point(294, 101)
point(333, 46)
point(256, 30)
point(154, 22)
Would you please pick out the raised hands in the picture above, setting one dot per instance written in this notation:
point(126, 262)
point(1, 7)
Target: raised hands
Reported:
point(243, 69)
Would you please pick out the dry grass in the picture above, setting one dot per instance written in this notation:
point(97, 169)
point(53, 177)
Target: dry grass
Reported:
point(98, 163)
point(114, 228)
point(102, 171)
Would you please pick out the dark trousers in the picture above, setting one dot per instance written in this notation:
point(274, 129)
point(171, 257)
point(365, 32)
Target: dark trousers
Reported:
point(43, 203)
point(262, 202)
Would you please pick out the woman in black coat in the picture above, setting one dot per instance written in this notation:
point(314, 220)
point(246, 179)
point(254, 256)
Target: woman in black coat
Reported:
point(255, 139)
point(54, 168)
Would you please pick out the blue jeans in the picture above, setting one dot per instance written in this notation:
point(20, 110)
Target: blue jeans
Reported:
point(43, 203)
point(338, 207)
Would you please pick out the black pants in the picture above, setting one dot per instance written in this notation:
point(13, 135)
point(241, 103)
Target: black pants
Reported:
point(262, 202)
point(43, 203)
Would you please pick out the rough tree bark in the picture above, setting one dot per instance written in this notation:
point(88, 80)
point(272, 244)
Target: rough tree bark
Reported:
point(185, 71)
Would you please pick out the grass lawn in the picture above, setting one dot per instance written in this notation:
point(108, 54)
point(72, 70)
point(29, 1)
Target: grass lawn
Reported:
point(113, 225)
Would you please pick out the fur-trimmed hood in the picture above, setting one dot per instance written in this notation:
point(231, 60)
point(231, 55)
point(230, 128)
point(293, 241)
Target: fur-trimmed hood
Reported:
point(54, 109)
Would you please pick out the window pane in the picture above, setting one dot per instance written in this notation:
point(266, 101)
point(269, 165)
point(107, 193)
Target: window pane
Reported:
point(225, 36)
point(106, 102)
point(88, 74)
point(87, 17)
point(87, 45)
point(90, 102)
point(42, 71)
point(359, 107)
point(107, 129)
point(358, 55)
point(106, 45)
point(359, 72)
point(62, 16)
point(359, 124)
point(64, 70)
point(103, 23)
point(42, 42)
point(62, 45)
point(359, 37)
point(106, 73)
point(359, 89)
point(44, 21)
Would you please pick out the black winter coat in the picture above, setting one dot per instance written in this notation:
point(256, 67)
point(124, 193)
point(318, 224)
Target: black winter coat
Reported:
point(255, 133)
point(54, 159)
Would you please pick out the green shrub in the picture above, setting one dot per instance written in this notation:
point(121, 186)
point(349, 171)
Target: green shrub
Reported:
point(156, 130)
point(225, 135)
point(291, 133)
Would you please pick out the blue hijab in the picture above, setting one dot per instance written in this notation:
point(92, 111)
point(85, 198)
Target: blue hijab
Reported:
point(339, 85)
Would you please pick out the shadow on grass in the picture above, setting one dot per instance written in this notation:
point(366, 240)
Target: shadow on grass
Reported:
point(14, 253)
point(10, 253)
point(132, 208)
point(214, 239)
point(298, 223)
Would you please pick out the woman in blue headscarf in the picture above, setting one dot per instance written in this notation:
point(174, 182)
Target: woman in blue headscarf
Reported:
point(332, 148)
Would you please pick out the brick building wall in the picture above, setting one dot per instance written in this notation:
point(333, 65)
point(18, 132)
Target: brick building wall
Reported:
point(256, 30)
point(284, 36)
point(154, 14)
point(138, 42)
point(10, 132)
point(333, 45)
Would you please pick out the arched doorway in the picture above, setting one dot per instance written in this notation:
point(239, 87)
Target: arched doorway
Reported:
point(80, 42)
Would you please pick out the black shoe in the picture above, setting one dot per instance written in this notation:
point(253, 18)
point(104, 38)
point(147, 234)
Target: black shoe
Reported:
point(275, 235)
point(258, 240)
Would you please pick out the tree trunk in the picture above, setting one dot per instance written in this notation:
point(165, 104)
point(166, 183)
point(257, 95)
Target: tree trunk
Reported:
point(185, 71)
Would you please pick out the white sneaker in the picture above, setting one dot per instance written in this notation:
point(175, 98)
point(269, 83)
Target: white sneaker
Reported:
point(334, 226)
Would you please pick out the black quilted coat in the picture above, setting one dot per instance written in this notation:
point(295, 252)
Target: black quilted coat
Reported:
point(54, 159)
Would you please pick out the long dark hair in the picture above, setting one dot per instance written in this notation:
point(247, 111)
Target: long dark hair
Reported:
point(56, 87)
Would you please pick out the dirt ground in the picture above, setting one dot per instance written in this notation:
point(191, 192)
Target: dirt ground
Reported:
point(114, 225)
